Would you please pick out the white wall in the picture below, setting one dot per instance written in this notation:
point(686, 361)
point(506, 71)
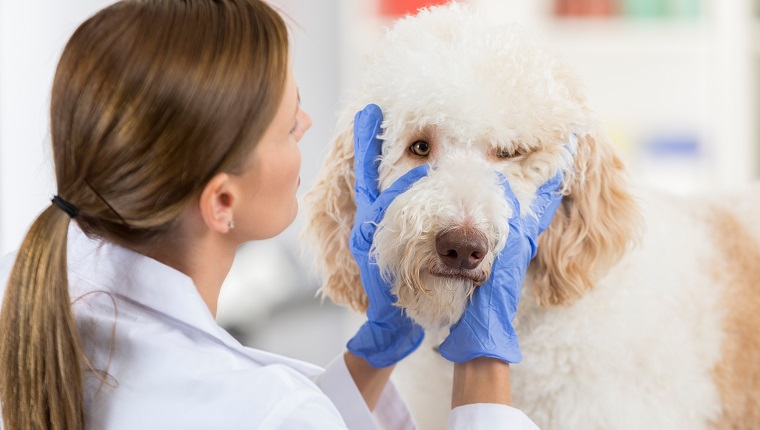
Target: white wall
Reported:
point(316, 35)
point(32, 35)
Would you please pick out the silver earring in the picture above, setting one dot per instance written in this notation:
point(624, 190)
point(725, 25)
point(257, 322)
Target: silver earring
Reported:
point(231, 224)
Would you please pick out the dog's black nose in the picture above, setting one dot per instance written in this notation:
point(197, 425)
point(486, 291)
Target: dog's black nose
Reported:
point(461, 247)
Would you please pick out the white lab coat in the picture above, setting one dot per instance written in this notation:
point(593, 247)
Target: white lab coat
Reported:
point(170, 366)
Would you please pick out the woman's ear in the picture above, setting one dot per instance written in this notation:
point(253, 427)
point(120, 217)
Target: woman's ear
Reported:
point(595, 225)
point(216, 203)
point(330, 215)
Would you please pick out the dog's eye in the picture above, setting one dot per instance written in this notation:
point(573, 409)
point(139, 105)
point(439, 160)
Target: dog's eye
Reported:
point(420, 148)
point(505, 153)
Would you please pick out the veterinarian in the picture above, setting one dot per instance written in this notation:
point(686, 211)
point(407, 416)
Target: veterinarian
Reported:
point(174, 128)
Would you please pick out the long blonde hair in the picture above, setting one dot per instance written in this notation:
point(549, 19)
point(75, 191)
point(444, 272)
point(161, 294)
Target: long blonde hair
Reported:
point(150, 100)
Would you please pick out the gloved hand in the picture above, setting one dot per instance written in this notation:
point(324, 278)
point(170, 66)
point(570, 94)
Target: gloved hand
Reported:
point(388, 335)
point(486, 329)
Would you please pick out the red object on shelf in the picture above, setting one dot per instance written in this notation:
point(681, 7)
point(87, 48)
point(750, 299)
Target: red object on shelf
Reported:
point(399, 8)
point(600, 8)
point(575, 7)
point(561, 7)
point(584, 8)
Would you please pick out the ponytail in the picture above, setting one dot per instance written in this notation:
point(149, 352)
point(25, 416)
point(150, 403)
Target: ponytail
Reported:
point(41, 384)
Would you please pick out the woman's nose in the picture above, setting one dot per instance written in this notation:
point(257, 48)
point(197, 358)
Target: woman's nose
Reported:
point(304, 124)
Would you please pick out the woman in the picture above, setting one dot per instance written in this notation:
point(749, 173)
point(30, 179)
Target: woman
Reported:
point(175, 127)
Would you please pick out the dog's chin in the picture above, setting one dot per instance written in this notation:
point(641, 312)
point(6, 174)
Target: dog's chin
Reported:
point(442, 300)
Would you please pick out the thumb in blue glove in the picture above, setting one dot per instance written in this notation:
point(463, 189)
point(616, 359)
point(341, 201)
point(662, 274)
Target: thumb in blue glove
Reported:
point(485, 329)
point(388, 335)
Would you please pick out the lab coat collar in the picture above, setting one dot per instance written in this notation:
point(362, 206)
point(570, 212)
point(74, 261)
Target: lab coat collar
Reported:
point(99, 265)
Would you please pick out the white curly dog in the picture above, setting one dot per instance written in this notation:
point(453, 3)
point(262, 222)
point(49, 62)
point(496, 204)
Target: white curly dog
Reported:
point(637, 313)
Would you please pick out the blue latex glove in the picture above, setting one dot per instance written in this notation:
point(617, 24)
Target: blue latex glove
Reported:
point(388, 335)
point(486, 329)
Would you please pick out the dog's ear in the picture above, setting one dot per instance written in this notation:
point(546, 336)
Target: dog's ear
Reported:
point(594, 226)
point(330, 211)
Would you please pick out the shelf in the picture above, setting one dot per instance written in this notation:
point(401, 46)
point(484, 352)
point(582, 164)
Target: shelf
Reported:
point(589, 36)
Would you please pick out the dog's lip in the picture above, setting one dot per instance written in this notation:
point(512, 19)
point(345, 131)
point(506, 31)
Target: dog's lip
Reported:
point(443, 272)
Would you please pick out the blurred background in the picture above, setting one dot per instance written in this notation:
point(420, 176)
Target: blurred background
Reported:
point(675, 83)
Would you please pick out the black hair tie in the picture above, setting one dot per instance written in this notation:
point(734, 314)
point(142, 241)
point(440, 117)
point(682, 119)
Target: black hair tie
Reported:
point(65, 206)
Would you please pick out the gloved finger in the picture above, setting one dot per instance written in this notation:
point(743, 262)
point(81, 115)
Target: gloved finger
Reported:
point(547, 194)
point(548, 215)
point(366, 230)
point(548, 198)
point(572, 145)
point(545, 205)
point(509, 194)
point(399, 186)
point(572, 150)
point(367, 148)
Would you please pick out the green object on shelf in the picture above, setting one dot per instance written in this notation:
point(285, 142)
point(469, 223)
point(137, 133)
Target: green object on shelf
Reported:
point(684, 8)
point(674, 9)
point(645, 8)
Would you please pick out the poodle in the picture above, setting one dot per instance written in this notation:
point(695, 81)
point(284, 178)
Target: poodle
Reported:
point(640, 310)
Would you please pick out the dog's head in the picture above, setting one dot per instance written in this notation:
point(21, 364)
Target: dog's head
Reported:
point(471, 99)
